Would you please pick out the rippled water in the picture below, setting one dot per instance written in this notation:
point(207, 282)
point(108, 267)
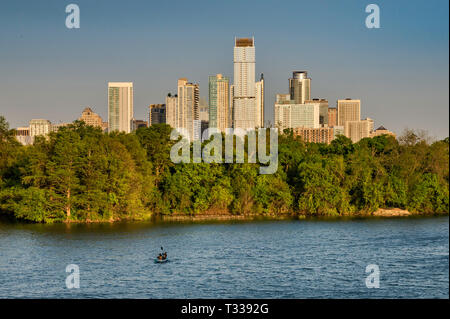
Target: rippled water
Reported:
point(271, 259)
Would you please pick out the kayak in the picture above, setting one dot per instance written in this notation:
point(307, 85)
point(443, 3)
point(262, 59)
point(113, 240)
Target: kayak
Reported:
point(161, 261)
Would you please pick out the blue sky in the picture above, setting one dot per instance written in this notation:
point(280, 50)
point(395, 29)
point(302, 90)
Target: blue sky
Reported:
point(400, 71)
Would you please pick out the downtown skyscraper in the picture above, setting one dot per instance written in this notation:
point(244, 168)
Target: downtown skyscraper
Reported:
point(188, 115)
point(219, 99)
point(244, 86)
point(120, 106)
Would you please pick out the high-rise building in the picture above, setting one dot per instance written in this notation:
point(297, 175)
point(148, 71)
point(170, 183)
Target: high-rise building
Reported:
point(259, 100)
point(297, 115)
point(172, 110)
point(348, 110)
point(300, 87)
point(120, 106)
point(244, 105)
point(188, 107)
point(323, 110)
point(356, 130)
point(90, 118)
point(40, 127)
point(283, 99)
point(219, 98)
point(156, 114)
point(332, 116)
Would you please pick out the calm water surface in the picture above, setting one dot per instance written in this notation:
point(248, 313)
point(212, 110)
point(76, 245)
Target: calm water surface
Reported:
point(272, 259)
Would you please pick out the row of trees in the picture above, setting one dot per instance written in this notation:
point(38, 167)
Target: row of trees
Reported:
point(82, 174)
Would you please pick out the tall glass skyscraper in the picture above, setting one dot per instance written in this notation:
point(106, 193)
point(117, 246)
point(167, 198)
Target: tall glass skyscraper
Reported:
point(219, 98)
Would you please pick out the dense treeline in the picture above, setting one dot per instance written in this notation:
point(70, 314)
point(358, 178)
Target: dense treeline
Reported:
point(82, 174)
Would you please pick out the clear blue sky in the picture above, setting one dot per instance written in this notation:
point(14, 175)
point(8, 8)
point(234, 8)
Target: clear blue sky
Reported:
point(400, 72)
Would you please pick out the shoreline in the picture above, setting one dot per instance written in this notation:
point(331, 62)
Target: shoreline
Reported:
point(227, 217)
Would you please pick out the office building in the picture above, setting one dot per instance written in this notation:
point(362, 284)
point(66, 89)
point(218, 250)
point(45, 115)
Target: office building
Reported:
point(90, 118)
point(300, 87)
point(332, 116)
point(120, 106)
point(323, 110)
point(40, 127)
point(356, 130)
point(315, 135)
point(348, 110)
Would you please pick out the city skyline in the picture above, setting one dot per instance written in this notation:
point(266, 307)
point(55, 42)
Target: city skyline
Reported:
point(379, 67)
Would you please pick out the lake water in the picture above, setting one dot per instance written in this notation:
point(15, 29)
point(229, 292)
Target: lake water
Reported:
point(264, 259)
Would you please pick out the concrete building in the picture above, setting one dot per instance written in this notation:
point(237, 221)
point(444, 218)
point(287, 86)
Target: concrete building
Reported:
point(300, 87)
point(356, 130)
point(323, 110)
point(219, 99)
point(172, 110)
point(188, 107)
point(283, 99)
point(332, 116)
point(348, 110)
point(120, 106)
point(244, 104)
point(315, 135)
point(90, 118)
point(23, 136)
point(156, 114)
point(259, 100)
point(338, 130)
point(40, 127)
point(382, 131)
point(296, 115)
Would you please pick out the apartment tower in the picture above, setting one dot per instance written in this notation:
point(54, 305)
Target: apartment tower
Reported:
point(188, 116)
point(244, 104)
point(120, 106)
